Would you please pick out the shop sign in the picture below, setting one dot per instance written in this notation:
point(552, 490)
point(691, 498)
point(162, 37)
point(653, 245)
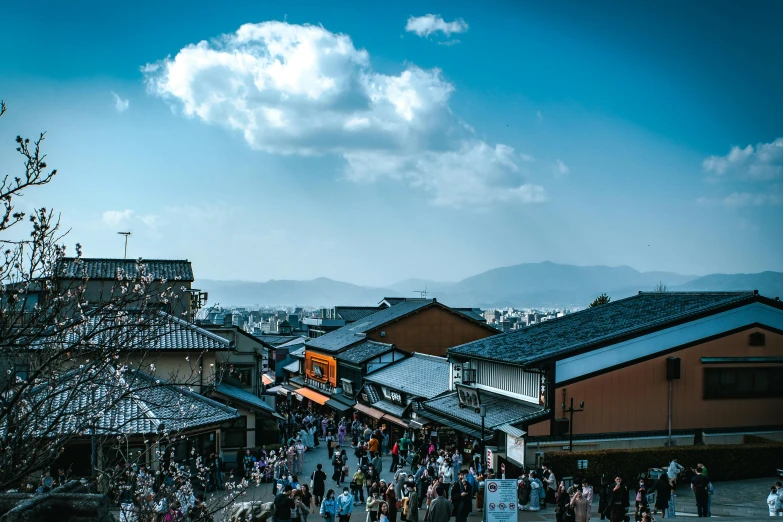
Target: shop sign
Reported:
point(515, 449)
point(468, 397)
point(347, 386)
point(395, 396)
point(489, 458)
point(500, 500)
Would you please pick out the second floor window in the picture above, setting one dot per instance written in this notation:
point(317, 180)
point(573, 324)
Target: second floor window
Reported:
point(237, 375)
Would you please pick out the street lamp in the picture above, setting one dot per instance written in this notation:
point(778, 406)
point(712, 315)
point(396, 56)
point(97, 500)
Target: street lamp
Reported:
point(482, 414)
point(290, 414)
point(571, 410)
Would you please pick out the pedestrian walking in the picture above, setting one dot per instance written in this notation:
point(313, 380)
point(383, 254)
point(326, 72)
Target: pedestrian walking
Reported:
point(580, 506)
point(772, 501)
point(319, 484)
point(562, 501)
point(673, 471)
point(412, 506)
point(345, 505)
point(618, 501)
point(357, 486)
point(329, 507)
point(663, 492)
point(394, 504)
point(700, 487)
point(536, 492)
point(440, 509)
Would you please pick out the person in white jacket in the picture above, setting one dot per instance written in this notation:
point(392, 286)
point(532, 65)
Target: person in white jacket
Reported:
point(673, 471)
point(772, 500)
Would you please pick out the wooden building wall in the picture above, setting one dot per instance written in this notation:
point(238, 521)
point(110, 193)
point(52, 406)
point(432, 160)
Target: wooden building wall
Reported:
point(635, 398)
point(431, 331)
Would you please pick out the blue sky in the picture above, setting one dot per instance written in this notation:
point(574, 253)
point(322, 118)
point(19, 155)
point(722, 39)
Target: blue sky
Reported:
point(371, 143)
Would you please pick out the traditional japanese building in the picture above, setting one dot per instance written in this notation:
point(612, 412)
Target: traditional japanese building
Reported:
point(653, 369)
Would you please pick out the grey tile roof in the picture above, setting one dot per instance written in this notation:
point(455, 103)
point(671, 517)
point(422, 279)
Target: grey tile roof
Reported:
point(364, 352)
point(389, 407)
point(472, 313)
point(244, 396)
point(625, 317)
point(96, 268)
point(353, 313)
point(500, 410)
point(394, 300)
point(419, 375)
point(372, 393)
point(160, 331)
point(276, 340)
point(127, 403)
point(177, 334)
point(353, 333)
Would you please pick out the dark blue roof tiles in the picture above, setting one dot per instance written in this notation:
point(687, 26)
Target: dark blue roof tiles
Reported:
point(96, 268)
point(420, 375)
point(572, 332)
point(364, 352)
point(355, 332)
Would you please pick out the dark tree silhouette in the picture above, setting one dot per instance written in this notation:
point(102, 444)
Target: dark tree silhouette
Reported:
point(600, 300)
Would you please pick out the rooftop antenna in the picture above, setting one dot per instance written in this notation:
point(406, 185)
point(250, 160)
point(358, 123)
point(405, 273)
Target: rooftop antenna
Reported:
point(126, 234)
point(423, 293)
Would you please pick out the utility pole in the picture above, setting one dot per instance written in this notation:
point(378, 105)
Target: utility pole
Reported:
point(126, 234)
point(571, 410)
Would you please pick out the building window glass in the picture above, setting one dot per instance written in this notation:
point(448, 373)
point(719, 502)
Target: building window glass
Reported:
point(743, 383)
point(238, 375)
point(234, 433)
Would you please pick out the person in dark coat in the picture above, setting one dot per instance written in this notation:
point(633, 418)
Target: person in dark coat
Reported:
point(461, 498)
point(618, 501)
point(603, 498)
point(663, 492)
point(319, 484)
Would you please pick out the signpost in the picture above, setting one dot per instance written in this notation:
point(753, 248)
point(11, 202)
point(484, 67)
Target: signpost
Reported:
point(500, 500)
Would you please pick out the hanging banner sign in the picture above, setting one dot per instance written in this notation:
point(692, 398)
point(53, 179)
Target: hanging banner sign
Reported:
point(500, 500)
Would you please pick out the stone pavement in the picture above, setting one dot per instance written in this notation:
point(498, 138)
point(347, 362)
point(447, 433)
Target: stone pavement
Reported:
point(739, 500)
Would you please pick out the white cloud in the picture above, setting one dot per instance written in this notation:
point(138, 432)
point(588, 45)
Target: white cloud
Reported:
point(300, 89)
point(762, 163)
point(117, 217)
point(120, 104)
point(150, 220)
point(430, 24)
point(539, 116)
point(561, 169)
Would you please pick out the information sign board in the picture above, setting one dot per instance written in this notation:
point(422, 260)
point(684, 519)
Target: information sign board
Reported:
point(500, 500)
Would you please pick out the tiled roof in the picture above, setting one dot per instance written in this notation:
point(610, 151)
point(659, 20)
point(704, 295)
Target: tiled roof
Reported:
point(292, 367)
point(394, 300)
point(276, 340)
point(177, 334)
point(127, 403)
point(299, 341)
point(244, 396)
point(364, 352)
point(354, 313)
point(472, 313)
point(354, 332)
point(500, 410)
point(572, 332)
point(419, 375)
point(95, 268)
point(372, 393)
point(389, 407)
point(158, 331)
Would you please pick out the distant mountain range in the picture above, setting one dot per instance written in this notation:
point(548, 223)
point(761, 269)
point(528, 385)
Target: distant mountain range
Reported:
point(527, 285)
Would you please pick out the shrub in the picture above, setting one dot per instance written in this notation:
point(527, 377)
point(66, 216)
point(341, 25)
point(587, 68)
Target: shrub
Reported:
point(724, 462)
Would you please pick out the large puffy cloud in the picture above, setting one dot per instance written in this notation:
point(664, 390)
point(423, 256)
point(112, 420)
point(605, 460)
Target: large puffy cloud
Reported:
point(300, 89)
point(762, 163)
point(430, 23)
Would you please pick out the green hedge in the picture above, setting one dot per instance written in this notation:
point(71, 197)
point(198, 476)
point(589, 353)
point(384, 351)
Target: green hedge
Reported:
point(761, 458)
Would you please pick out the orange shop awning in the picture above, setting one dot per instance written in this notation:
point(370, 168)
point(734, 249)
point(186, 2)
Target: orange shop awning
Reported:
point(312, 395)
point(266, 379)
point(372, 412)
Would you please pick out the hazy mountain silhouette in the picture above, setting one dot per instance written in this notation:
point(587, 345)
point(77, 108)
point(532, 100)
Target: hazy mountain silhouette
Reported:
point(527, 285)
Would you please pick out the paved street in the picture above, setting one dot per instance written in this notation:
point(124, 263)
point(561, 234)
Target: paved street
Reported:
point(741, 500)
